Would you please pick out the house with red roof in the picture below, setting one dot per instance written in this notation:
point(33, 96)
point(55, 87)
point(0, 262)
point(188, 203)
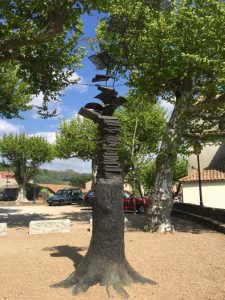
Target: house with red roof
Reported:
point(212, 178)
point(213, 188)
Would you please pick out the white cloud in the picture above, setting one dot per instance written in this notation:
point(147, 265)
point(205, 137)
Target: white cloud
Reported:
point(52, 105)
point(6, 127)
point(37, 100)
point(167, 106)
point(50, 136)
point(74, 164)
point(80, 87)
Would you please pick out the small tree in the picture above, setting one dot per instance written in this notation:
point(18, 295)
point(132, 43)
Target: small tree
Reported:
point(25, 154)
point(142, 127)
point(77, 138)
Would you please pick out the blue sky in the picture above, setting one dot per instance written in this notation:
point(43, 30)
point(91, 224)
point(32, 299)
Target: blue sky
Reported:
point(74, 97)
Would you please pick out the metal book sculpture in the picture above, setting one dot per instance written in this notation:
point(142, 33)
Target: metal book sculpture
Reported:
point(105, 261)
point(102, 114)
point(109, 128)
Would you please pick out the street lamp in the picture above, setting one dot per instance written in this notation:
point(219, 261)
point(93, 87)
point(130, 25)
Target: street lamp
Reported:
point(197, 149)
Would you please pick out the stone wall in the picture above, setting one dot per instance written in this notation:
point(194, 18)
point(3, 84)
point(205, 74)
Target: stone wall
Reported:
point(213, 213)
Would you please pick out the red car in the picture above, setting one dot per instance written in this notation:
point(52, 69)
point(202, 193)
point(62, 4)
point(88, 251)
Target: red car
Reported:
point(129, 202)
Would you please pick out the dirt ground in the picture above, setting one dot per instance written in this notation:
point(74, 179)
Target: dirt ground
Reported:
point(188, 264)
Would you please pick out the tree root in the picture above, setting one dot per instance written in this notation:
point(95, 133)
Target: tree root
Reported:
point(111, 275)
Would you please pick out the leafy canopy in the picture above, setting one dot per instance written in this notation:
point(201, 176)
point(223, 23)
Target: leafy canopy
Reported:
point(176, 54)
point(77, 138)
point(38, 48)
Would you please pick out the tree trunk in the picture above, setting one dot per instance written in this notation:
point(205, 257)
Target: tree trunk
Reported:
point(21, 198)
point(161, 199)
point(105, 261)
point(94, 167)
point(161, 202)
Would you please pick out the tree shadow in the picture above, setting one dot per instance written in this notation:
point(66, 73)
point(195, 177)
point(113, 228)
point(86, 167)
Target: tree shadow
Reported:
point(186, 225)
point(7, 211)
point(15, 218)
point(67, 251)
point(82, 216)
point(136, 222)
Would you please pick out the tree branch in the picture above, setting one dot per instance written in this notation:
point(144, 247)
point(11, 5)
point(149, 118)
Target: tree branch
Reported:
point(218, 100)
point(213, 135)
point(55, 20)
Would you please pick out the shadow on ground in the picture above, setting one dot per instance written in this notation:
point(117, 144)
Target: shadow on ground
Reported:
point(66, 251)
point(16, 219)
point(137, 222)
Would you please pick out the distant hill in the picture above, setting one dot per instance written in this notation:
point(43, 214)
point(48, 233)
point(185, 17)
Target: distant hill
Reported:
point(62, 177)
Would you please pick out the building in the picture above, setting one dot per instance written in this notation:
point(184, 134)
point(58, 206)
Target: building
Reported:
point(212, 185)
point(7, 180)
point(212, 178)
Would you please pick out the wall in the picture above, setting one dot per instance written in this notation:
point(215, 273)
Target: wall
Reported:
point(7, 182)
point(208, 154)
point(213, 193)
point(214, 213)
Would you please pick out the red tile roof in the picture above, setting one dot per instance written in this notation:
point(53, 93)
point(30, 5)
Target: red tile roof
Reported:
point(206, 175)
point(55, 187)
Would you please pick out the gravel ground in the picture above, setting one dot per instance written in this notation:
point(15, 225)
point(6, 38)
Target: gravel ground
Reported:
point(188, 264)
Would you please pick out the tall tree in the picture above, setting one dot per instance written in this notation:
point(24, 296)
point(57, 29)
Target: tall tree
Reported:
point(174, 53)
point(38, 50)
point(25, 154)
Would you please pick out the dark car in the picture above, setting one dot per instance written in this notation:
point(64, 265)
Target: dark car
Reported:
point(89, 198)
point(66, 196)
point(130, 202)
point(6, 197)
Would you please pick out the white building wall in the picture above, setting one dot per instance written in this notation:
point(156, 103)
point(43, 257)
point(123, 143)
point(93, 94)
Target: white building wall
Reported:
point(209, 157)
point(213, 194)
point(7, 182)
point(205, 158)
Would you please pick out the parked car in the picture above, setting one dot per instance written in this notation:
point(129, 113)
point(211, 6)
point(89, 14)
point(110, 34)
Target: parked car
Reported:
point(130, 203)
point(89, 198)
point(66, 196)
point(6, 197)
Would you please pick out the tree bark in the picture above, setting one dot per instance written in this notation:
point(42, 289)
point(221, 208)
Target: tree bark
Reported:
point(21, 198)
point(161, 198)
point(105, 261)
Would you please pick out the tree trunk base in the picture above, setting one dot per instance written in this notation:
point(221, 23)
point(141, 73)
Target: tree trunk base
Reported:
point(110, 274)
point(158, 217)
point(21, 201)
point(162, 228)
